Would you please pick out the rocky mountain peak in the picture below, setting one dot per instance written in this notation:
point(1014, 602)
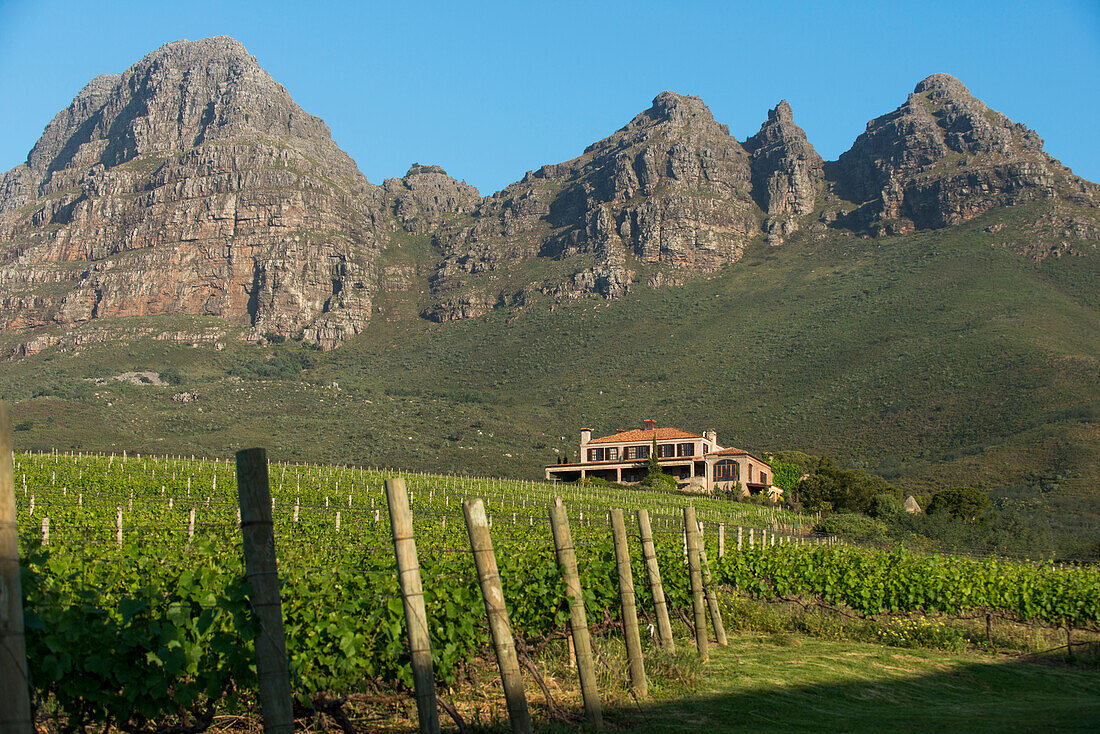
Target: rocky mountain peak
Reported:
point(943, 157)
point(426, 195)
point(681, 109)
point(176, 97)
point(781, 112)
point(417, 169)
point(942, 85)
point(191, 182)
point(779, 127)
point(673, 110)
point(787, 173)
point(671, 187)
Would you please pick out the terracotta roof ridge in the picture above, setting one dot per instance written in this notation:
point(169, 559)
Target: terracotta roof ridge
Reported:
point(731, 450)
point(738, 452)
point(642, 434)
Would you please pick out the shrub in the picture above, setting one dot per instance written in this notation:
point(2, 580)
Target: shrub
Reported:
point(784, 474)
point(853, 526)
point(828, 487)
point(171, 376)
point(885, 506)
point(966, 503)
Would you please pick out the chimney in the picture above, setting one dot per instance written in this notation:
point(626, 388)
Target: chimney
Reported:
point(711, 436)
point(649, 425)
point(586, 436)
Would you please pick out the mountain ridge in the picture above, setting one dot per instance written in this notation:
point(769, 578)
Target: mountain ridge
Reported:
point(162, 156)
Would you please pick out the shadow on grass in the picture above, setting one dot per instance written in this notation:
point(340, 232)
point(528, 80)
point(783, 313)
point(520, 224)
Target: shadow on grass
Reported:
point(876, 690)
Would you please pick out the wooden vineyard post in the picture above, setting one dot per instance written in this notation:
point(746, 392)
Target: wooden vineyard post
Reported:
point(272, 668)
point(630, 612)
point(712, 599)
point(488, 577)
point(412, 595)
point(653, 572)
point(691, 529)
point(578, 622)
point(15, 712)
point(721, 540)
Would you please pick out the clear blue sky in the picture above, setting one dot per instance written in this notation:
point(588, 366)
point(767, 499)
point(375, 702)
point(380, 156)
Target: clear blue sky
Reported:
point(490, 90)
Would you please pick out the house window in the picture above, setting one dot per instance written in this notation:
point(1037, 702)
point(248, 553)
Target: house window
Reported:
point(726, 471)
point(595, 454)
point(637, 452)
point(613, 454)
point(763, 478)
point(750, 473)
point(685, 449)
point(666, 451)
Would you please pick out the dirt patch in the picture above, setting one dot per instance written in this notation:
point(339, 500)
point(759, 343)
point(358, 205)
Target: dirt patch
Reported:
point(134, 378)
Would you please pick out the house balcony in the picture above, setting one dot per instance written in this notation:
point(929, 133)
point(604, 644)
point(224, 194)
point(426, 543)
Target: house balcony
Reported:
point(627, 471)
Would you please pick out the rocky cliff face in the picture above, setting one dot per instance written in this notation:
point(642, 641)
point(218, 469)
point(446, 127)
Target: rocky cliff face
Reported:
point(190, 183)
point(426, 196)
point(670, 187)
point(944, 157)
point(787, 173)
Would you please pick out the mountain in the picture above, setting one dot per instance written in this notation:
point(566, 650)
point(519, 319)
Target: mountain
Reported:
point(671, 187)
point(943, 157)
point(926, 306)
point(190, 183)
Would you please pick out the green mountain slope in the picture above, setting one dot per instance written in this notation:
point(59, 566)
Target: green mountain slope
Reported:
point(939, 358)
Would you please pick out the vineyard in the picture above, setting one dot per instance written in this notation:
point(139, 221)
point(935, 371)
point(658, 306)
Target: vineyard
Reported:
point(137, 613)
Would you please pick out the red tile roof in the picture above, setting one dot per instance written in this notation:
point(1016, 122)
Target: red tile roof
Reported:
point(640, 434)
point(737, 452)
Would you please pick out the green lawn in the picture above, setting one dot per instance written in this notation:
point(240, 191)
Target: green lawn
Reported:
point(776, 684)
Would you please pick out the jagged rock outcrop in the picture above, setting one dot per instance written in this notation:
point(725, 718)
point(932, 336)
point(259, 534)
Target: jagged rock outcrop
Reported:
point(424, 198)
point(670, 187)
point(944, 157)
point(787, 173)
point(190, 183)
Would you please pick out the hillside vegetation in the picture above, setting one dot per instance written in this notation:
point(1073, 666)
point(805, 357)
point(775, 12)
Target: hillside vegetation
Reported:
point(937, 359)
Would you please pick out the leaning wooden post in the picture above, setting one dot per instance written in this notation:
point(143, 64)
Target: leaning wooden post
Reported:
point(630, 613)
point(653, 572)
point(712, 599)
point(15, 714)
point(691, 530)
point(412, 595)
point(488, 576)
point(578, 622)
point(272, 668)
